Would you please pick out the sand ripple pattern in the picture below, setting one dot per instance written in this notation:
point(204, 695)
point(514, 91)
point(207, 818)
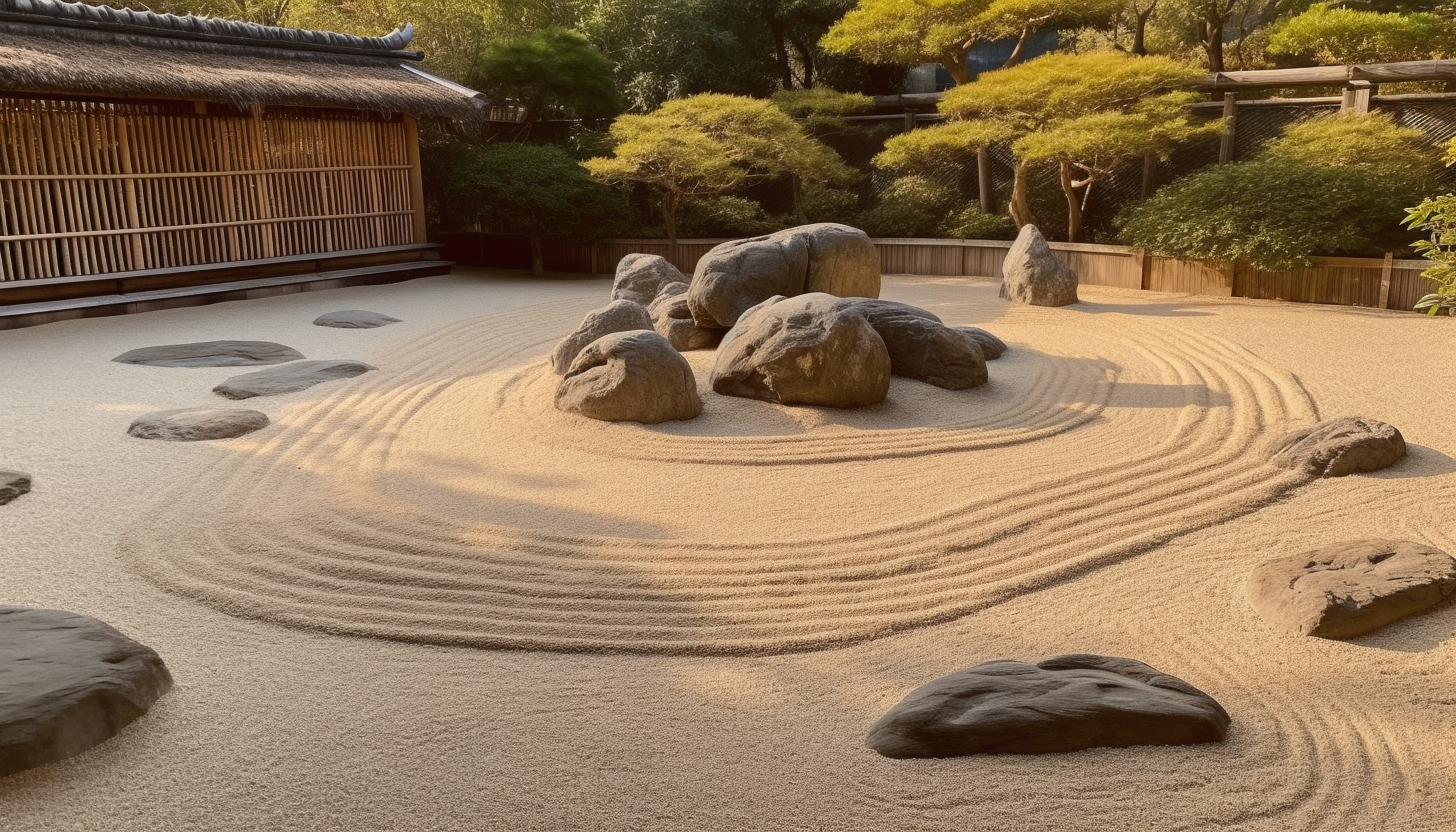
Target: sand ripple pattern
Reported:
point(260, 534)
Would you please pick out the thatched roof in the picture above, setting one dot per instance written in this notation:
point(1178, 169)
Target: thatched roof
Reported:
point(49, 47)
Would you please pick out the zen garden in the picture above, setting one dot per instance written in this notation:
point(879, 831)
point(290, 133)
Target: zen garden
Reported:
point(689, 415)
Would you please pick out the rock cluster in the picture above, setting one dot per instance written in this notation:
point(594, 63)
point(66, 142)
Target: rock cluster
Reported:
point(630, 377)
point(1340, 447)
point(1033, 274)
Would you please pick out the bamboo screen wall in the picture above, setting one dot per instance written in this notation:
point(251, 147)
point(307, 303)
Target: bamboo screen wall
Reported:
point(99, 187)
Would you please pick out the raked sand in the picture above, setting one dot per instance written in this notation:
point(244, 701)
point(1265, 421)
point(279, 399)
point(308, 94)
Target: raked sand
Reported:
point(422, 599)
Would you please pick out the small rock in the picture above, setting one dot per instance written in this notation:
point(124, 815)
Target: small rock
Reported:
point(1066, 703)
point(630, 377)
point(617, 316)
point(1349, 589)
point(12, 485)
point(1033, 274)
point(641, 276)
point(674, 321)
point(991, 346)
point(1339, 447)
point(197, 424)
point(289, 378)
point(354, 319)
point(67, 683)
point(211, 354)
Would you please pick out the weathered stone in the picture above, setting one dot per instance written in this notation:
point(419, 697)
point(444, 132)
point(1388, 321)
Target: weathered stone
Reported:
point(674, 321)
point(630, 377)
point(617, 316)
point(825, 257)
point(67, 683)
point(1034, 275)
point(354, 319)
point(641, 276)
point(1349, 589)
point(804, 350)
point(289, 378)
point(1066, 703)
point(991, 346)
point(12, 485)
point(211, 354)
point(197, 424)
point(921, 347)
point(1339, 447)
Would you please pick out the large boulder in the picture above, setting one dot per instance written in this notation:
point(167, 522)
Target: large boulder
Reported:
point(1032, 274)
point(68, 682)
point(1340, 447)
point(739, 274)
point(674, 321)
point(1349, 589)
point(354, 319)
point(1066, 703)
point(12, 485)
point(197, 424)
point(641, 276)
point(803, 350)
point(211, 354)
point(921, 347)
point(617, 316)
point(289, 378)
point(630, 377)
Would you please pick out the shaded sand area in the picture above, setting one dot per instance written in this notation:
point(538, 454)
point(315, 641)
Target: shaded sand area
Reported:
point(700, 620)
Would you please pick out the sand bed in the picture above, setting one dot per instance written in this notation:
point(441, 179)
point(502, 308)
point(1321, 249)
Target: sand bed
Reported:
point(704, 617)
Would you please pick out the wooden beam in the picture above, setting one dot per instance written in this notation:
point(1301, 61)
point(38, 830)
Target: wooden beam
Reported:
point(1330, 76)
point(1385, 270)
point(417, 179)
point(1356, 98)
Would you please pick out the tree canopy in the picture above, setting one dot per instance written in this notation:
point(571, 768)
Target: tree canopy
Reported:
point(552, 73)
point(1329, 35)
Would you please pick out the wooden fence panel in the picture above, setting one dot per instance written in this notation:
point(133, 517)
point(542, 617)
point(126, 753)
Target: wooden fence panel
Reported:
point(1340, 282)
point(1406, 284)
point(984, 260)
point(1104, 268)
point(1168, 274)
point(919, 257)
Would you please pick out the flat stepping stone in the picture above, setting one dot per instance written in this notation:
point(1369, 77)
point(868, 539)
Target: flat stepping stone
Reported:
point(289, 378)
point(354, 319)
point(1349, 589)
point(12, 485)
point(211, 354)
point(1065, 703)
point(1340, 447)
point(197, 424)
point(67, 683)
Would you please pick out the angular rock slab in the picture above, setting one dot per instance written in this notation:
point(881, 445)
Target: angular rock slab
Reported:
point(991, 346)
point(1065, 703)
point(641, 276)
point(289, 378)
point(1033, 275)
point(67, 683)
point(354, 319)
point(617, 316)
point(630, 377)
point(211, 354)
point(674, 321)
point(197, 424)
point(1349, 589)
point(805, 350)
point(1340, 447)
point(824, 257)
point(12, 485)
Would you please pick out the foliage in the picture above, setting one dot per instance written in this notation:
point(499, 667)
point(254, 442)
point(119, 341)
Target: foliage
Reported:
point(824, 204)
point(1402, 157)
point(529, 189)
point(821, 103)
point(908, 32)
point(451, 33)
point(944, 149)
point(725, 216)
point(971, 223)
point(1326, 35)
point(552, 73)
point(1437, 217)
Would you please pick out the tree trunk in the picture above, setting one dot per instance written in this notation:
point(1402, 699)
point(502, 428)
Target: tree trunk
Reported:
point(1020, 46)
point(806, 56)
point(1140, 31)
point(1020, 206)
point(1213, 43)
point(537, 259)
point(781, 51)
point(1074, 205)
point(798, 189)
point(956, 66)
point(669, 218)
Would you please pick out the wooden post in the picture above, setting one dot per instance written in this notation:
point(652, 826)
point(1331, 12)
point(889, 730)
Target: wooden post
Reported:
point(262, 187)
point(983, 176)
point(909, 121)
point(1226, 145)
point(417, 179)
point(1356, 97)
point(133, 216)
point(1385, 279)
point(1145, 266)
point(1150, 174)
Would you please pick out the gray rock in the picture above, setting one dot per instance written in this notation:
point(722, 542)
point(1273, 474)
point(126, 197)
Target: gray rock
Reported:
point(1340, 447)
point(991, 346)
point(1349, 589)
point(354, 319)
point(289, 378)
point(825, 257)
point(617, 316)
point(1033, 274)
point(12, 485)
point(674, 321)
point(921, 347)
point(641, 276)
point(67, 683)
point(1066, 703)
point(211, 354)
point(630, 377)
point(197, 424)
point(804, 350)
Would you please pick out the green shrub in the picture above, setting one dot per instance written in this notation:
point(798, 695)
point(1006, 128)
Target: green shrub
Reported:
point(971, 223)
point(725, 216)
